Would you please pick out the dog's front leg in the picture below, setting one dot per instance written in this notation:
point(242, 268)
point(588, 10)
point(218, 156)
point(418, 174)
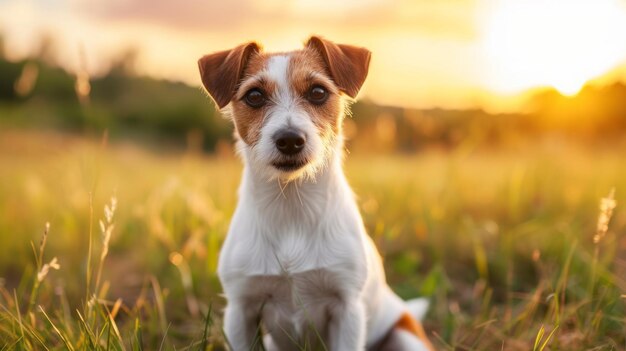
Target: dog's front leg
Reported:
point(347, 327)
point(239, 326)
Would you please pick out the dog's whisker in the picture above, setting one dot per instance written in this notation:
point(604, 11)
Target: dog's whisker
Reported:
point(282, 189)
point(295, 185)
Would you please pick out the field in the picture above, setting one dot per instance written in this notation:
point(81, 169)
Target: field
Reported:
point(502, 241)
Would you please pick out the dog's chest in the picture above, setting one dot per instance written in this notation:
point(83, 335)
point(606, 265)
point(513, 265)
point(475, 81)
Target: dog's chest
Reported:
point(298, 252)
point(296, 304)
point(281, 277)
point(253, 250)
point(300, 261)
point(289, 291)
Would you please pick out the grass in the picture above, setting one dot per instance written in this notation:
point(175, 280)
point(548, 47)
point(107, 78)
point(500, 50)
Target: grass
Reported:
point(511, 245)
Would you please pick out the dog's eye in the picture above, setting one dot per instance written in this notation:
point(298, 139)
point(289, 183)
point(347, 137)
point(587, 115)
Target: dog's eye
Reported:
point(255, 98)
point(317, 95)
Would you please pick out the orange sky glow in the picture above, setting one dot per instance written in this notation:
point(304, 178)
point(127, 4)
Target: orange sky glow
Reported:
point(446, 53)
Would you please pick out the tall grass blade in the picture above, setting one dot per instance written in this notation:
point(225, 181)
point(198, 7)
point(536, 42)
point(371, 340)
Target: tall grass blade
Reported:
point(207, 326)
point(138, 335)
point(543, 346)
point(65, 341)
point(90, 336)
point(164, 337)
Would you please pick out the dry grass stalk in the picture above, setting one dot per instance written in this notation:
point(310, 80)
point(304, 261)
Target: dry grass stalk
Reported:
point(106, 229)
point(42, 269)
point(607, 205)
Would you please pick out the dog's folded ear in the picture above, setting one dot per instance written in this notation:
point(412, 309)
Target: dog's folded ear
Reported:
point(347, 64)
point(222, 71)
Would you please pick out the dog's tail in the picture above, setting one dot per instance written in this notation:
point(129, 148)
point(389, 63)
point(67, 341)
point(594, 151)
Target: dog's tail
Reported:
point(418, 307)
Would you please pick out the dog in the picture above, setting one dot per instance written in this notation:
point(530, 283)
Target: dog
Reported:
point(297, 259)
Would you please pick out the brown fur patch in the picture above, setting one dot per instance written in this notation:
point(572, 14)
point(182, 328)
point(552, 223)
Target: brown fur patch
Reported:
point(307, 69)
point(409, 324)
point(248, 121)
point(348, 65)
point(221, 71)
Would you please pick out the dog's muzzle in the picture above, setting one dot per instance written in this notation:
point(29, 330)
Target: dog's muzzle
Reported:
point(290, 143)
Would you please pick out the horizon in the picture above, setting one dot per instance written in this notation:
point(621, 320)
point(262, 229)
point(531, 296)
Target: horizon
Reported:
point(463, 54)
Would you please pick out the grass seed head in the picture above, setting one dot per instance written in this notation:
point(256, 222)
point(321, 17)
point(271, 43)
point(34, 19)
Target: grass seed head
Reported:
point(607, 205)
point(54, 264)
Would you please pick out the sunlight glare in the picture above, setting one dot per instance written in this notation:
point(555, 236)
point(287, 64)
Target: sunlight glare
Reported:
point(561, 44)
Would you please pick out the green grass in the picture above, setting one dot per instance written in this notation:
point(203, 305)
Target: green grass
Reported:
point(502, 241)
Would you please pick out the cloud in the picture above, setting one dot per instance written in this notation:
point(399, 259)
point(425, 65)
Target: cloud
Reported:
point(190, 14)
point(444, 18)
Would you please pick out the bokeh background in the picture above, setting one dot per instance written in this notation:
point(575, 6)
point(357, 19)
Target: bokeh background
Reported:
point(487, 150)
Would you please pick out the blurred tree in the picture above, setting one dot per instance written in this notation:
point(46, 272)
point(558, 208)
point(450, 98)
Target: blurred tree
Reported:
point(9, 72)
point(595, 113)
point(2, 52)
point(46, 50)
point(126, 63)
point(40, 94)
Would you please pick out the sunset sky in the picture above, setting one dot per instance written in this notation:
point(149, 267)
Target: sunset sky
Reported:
point(448, 53)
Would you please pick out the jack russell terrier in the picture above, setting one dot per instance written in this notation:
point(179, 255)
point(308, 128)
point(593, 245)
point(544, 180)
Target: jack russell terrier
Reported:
point(297, 259)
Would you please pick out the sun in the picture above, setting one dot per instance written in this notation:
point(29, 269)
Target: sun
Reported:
point(561, 44)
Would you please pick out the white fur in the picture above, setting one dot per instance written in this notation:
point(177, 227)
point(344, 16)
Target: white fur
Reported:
point(277, 71)
point(297, 254)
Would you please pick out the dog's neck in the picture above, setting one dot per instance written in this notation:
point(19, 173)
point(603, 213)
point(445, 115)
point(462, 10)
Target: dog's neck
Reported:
point(298, 202)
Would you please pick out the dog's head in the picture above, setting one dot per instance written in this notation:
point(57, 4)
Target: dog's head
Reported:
point(287, 107)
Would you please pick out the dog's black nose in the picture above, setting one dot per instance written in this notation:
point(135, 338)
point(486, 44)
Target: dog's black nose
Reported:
point(289, 142)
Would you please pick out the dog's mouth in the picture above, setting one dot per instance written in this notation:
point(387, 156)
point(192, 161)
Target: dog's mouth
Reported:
point(289, 165)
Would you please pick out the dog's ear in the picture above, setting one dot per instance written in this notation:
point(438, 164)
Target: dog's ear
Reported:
point(221, 71)
point(348, 65)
